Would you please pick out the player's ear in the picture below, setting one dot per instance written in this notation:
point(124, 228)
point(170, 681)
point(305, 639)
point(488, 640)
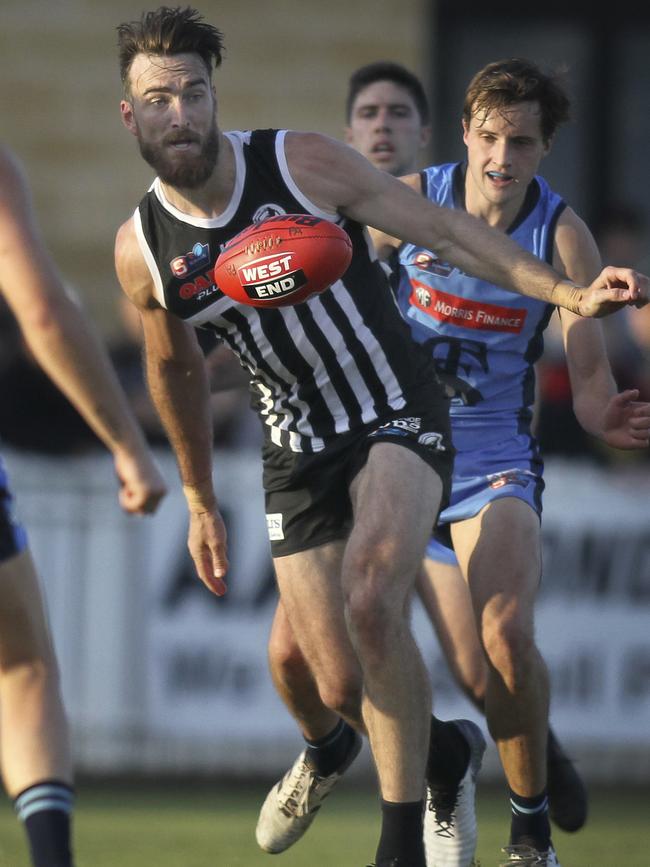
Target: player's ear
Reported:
point(548, 144)
point(425, 136)
point(465, 126)
point(348, 137)
point(128, 116)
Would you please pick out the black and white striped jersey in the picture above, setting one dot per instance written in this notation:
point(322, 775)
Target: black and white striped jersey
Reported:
point(337, 361)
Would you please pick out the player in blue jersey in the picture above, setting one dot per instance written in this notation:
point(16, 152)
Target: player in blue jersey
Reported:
point(388, 123)
point(485, 343)
point(36, 763)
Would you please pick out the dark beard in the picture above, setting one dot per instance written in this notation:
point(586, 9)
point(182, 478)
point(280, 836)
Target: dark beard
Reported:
point(185, 172)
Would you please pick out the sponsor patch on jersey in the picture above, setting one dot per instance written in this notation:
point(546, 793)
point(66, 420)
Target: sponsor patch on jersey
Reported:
point(270, 209)
point(274, 525)
point(271, 276)
point(426, 261)
point(465, 313)
point(198, 289)
point(197, 258)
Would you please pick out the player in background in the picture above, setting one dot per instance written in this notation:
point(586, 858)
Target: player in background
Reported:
point(36, 762)
point(352, 412)
point(387, 116)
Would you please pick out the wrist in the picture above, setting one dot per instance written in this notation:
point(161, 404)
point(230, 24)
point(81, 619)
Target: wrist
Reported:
point(200, 496)
point(566, 294)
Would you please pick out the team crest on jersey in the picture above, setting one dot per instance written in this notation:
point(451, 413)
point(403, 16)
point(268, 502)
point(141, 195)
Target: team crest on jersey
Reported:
point(197, 258)
point(266, 211)
point(431, 264)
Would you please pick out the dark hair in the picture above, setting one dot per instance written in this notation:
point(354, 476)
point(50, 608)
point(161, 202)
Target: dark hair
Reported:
point(505, 82)
point(168, 31)
point(385, 70)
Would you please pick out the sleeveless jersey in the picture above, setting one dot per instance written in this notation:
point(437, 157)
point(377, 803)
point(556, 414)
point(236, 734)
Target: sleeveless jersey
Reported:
point(484, 339)
point(336, 362)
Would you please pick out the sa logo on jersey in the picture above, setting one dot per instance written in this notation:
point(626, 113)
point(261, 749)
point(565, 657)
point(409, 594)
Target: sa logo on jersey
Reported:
point(426, 261)
point(197, 258)
point(271, 276)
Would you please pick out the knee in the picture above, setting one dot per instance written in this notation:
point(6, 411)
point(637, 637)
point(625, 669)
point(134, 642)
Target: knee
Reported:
point(286, 659)
point(510, 646)
point(29, 676)
point(374, 601)
point(342, 695)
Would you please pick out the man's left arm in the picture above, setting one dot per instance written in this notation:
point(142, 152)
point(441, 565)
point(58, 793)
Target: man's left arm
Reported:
point(617, 418)
point(337, 178)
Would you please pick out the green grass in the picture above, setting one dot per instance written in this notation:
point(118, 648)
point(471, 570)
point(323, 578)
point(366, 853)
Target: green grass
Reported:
point(202, 826)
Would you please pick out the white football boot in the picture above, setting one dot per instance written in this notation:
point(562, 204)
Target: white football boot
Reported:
point(527, 856)
point(292, 804)
point(450, 830)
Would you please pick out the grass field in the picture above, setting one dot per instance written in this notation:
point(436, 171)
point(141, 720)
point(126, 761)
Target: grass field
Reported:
point(204, 826)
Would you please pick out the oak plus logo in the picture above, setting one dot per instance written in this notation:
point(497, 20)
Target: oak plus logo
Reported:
point(271, 276)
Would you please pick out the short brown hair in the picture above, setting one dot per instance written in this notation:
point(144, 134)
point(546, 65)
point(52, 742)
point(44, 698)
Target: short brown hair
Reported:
point(505, 82)
point(167, 31)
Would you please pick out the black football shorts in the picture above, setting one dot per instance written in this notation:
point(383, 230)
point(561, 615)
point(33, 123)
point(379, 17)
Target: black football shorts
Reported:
point(307, 495)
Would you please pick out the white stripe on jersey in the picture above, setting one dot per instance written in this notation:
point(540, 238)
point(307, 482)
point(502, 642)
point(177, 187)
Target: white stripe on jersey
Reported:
point(394, 396)
point(145, 249)
point(295, 190)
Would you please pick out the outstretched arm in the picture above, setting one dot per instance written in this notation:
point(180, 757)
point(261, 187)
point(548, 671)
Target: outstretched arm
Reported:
point(65, 344)
point(618, 419)
point(339, 179)
point(178, 385)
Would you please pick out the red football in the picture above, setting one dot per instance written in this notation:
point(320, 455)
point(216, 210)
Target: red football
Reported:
point(283, 260)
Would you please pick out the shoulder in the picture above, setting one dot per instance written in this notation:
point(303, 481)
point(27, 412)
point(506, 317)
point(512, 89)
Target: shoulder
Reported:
point(131, 268)
point(575, 251)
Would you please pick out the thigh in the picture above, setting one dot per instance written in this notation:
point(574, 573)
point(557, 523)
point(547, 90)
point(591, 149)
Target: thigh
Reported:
point(396, 499)
point(24, 631)
point(499, 552)
point(312, 601)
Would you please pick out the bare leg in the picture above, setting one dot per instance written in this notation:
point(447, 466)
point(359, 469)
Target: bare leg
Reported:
point(499, 551)
point(295, 683)
point(447, 600)
point(311, 618)
point(396, 497)
point(34, 728)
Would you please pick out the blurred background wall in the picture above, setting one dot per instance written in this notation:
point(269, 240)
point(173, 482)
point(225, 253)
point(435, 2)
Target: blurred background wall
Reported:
point(286, 65)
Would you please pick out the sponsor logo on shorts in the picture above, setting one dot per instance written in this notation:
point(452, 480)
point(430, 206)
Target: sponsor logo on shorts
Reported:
point(271, 276)
point(510, 477)
point(432, 440)
point(197, 258)
point(465, 313)
point(270, 209)
point(409, 424)
point(274, 526)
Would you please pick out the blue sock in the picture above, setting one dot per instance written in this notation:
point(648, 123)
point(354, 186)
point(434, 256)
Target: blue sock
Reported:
point(45, 810)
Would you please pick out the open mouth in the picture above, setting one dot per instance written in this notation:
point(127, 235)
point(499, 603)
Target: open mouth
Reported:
point(500, 177)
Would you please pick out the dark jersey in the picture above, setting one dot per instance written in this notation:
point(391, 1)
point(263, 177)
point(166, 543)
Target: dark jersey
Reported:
point(332, 364)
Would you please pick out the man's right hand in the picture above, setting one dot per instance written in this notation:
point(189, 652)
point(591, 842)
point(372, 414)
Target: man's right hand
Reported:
point(207, 543)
